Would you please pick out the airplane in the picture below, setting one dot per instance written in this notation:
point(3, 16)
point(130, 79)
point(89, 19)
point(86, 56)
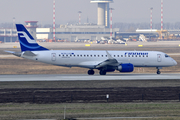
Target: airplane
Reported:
point(105, 61)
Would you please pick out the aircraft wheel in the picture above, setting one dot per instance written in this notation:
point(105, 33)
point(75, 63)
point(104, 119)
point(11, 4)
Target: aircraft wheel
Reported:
point(90, 72)
point(102, 72)
point(158, 72)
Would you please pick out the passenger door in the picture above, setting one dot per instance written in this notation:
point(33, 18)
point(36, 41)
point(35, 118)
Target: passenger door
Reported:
point(53, 56)
point(159, 57)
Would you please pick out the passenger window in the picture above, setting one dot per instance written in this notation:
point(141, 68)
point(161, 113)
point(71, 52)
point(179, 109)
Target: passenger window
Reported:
point(121, 55)
point(102, 55)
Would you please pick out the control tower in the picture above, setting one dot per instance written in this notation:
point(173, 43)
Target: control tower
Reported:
point(31, 27)
point(103, 12)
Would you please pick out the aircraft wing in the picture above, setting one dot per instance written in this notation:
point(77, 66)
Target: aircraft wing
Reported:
point(109, 62)
point(100, 64)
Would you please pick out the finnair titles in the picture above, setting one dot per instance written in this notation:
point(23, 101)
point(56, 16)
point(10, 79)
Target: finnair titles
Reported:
point(104, 61)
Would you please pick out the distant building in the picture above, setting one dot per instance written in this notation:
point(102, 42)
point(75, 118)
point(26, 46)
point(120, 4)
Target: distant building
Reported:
point(8, 35)
point(76, 32)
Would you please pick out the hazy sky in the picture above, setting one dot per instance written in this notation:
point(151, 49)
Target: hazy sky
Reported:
point(67, 10)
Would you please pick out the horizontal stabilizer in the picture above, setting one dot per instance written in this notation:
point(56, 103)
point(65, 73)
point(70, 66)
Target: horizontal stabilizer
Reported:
point(14, 53)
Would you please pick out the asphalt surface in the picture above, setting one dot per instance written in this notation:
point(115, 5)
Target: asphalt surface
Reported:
point(84, 77)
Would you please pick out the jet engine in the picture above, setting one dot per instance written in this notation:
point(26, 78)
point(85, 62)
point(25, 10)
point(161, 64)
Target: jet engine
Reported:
point(126, 67)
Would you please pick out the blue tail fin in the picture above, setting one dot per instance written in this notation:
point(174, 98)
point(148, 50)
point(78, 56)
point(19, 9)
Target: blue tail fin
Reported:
point(27, 42)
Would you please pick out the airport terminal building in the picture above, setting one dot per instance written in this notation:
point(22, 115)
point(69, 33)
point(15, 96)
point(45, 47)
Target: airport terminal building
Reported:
point(70, 33)
point(73, 33)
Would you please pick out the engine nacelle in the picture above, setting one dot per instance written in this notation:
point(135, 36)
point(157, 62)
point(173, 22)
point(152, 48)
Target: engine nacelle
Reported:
point(126, 67)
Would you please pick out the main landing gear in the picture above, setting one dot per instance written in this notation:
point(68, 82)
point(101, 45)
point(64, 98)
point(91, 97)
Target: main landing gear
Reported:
point(101, 72)
point(90, 72)
point(158, 71)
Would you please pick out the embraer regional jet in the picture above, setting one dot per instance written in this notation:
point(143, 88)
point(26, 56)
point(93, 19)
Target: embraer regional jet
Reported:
point(104, 61)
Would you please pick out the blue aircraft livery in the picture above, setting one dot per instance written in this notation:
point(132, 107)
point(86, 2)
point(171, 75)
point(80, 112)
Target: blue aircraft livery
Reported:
point(136, 53)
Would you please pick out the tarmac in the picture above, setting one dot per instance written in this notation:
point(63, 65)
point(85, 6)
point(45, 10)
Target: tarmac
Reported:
point(84, 77)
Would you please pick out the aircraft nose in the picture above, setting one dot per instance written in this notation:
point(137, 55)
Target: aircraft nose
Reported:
point(175, 63)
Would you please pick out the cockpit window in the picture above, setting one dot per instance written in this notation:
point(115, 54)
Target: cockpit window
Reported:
point(166, 55)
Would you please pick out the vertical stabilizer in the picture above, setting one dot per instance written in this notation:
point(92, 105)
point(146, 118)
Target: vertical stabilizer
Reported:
point(27, 42)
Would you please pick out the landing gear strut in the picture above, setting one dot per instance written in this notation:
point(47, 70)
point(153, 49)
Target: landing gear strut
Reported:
point(90, 72)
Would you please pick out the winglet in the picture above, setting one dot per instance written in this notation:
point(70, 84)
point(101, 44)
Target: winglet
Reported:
point(108, 55)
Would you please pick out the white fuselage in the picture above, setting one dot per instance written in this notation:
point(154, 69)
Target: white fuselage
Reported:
point(88, 59)
point(104, 61)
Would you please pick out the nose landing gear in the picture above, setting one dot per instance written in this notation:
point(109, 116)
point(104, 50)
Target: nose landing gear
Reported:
point(158, 71)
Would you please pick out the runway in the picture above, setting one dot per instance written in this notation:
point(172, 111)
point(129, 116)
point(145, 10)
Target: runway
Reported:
point(84, 77)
